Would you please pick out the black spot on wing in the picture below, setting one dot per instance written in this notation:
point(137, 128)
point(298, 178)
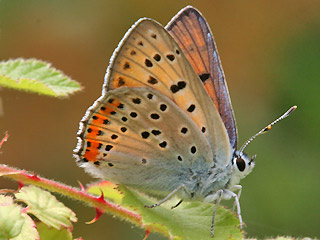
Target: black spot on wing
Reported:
point(163, 144)
point(136, 100)
point(191, 108)
point(148, 63)
point(126, 66)
point(177, 87)
point(108, 147)
point(152, 80)
point(170, 57)
point(157, 57)
point(145, 134)
point(154, 116)
point(114, 136)
point(184, 130)
point(163, 107)
point(204, 76)
point(193, 149)
point(121, 82)
point(133, 114)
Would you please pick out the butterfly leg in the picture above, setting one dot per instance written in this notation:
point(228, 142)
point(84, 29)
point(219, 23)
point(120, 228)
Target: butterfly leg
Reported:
point(167, 197)
point(217, 196)
point(239, 188)
point(236, 201)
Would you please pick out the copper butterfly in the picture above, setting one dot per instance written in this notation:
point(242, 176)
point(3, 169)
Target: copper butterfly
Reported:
point(164, 124)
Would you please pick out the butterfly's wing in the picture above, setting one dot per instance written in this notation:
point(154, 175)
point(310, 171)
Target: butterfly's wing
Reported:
point(149, 57)
point(192, 32)
point(136, 136)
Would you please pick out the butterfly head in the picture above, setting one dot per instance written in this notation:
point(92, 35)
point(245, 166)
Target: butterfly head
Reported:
point(242, 164)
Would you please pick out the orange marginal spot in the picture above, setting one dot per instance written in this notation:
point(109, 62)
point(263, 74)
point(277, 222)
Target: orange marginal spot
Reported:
point(107, 110)
point(91, 154)
point(92, 131)
point(94, 145)
point(99, 119)
point(110, 107)
point(269, 127)
point(115, 103)
point(98, 215)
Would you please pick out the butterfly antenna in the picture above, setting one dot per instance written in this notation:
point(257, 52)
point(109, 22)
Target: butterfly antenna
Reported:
point(267, 128)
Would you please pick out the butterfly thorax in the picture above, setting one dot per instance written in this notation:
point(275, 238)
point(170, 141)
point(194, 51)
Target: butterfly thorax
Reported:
point(202, 184)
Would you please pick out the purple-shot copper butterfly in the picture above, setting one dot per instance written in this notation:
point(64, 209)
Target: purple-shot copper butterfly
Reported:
point(164, 124)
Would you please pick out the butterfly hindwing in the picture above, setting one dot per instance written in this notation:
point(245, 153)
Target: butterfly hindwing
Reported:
point(141, 132)
point(149, 57)
point(192, 32)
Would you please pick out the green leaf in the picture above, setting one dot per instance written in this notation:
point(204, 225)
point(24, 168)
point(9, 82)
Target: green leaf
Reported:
point(190, 220)
point(52, 233)
point(11, 221)
point(46, 207)
point(36, 76)
point(29, 231)
point(14, 224)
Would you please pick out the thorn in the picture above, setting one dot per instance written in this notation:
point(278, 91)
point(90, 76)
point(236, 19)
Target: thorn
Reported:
point(101, 198)
point(147, 234)
point(20, 185)
point(34, 177)
point(81, 187)
point(99, 212)
point(4, 139)
point(98, 215)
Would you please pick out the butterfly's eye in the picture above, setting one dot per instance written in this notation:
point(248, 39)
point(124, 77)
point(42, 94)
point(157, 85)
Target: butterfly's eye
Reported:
point(241, 164)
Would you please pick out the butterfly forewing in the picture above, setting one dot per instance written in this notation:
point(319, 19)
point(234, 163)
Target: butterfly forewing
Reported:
point(141, 132)
point(191, 31)
point(149, 57)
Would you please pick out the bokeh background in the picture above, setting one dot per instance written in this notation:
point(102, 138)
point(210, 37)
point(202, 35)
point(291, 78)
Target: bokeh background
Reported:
point(270, 51)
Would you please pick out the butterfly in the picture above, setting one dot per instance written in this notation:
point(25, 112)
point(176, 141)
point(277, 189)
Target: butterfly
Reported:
point(164, 124)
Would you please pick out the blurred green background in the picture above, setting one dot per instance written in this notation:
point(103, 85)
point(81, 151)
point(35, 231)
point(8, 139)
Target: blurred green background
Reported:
point(270, 51)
